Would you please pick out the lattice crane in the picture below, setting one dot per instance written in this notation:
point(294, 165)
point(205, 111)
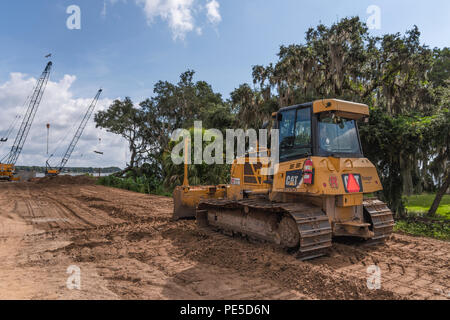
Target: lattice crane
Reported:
point(54, 172)
point(7, 165)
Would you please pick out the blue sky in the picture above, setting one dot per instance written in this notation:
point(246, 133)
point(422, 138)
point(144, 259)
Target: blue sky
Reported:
point(126, 46)
point(123, 53)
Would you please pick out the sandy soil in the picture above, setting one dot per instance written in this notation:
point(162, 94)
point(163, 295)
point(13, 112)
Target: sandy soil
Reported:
point(126, 247)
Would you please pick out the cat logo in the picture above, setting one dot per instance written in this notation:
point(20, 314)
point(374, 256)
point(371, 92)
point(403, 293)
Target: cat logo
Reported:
point(352, 183)
point(293, 178)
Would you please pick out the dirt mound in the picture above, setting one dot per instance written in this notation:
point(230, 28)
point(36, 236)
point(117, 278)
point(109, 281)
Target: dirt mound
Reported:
point(66, 179)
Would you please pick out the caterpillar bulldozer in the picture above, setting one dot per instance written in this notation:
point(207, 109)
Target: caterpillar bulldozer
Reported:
point(320, 188)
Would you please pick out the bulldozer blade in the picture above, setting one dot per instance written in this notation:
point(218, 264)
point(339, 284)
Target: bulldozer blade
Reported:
point(186, 199)
point(180, 210)
point(183, 212)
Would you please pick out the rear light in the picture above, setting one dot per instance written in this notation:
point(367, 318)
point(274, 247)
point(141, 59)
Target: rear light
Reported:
point(308, 172)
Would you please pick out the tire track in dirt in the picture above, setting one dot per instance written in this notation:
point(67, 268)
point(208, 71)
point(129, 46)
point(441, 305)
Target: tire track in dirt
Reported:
point(51, 215)
point(268, 262)
point(175, 270)
point(181, 276)
point(406, 269)
point(81, 211)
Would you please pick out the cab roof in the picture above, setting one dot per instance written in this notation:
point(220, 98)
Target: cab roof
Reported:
point(344, 108)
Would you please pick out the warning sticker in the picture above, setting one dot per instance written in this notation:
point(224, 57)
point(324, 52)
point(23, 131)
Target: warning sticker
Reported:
point(334, 182)
point(352, 183)
point(235, 181)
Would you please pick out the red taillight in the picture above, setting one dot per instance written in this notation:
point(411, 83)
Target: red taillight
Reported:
point(308, 172)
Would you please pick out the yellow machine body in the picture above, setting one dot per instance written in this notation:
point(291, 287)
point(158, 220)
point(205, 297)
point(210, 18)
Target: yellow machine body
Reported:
point(52, 172)
point(7, 172)
point(344, 209)
point(254, 204)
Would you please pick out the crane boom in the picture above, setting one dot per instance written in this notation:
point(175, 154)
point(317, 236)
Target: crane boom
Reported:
point(79, 131)
point(27, 121)
point(7, 164)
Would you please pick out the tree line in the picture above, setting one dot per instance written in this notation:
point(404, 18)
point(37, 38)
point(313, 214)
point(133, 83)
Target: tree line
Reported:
point(91, 170)
point(405, 83)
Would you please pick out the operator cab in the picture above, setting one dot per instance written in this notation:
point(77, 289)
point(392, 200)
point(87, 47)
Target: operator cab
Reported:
point(324, 128)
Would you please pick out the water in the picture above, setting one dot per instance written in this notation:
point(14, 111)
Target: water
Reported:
point(41, 175)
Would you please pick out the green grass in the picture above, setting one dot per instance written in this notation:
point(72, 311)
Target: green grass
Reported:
point(141, 185)
point(438, 229)
point(420, 204)
point(417, 222)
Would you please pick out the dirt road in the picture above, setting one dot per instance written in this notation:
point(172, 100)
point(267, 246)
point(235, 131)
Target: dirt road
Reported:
point(126, 247)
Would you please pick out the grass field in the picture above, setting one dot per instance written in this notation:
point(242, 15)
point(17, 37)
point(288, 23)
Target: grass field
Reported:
point(418, 224)
point(420, 204)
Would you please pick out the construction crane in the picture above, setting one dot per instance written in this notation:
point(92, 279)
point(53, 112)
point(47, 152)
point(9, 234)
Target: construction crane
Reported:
point(7, 164)
point(54, 172)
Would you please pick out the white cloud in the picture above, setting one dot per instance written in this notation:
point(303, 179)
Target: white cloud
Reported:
point(213, 13)
point(63, 112)
point(179, 14)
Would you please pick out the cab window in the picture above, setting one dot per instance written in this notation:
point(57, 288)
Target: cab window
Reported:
point(303, 128)
point(338, 135)
point(295, 133)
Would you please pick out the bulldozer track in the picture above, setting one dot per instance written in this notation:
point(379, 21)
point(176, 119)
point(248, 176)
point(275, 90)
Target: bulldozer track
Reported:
point(313, 227)
point(381, 219)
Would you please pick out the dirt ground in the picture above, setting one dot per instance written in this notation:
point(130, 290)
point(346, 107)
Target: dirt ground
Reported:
point(126, 247)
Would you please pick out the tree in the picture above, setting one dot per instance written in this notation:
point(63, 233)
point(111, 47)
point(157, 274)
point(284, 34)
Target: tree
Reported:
point(440, 141)
point(441, 69)
point(440, 193)
point(246, 105)
point(199, 174)
point(176, 106)
point(124, 119)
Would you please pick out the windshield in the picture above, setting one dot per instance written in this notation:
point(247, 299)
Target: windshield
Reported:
point(295, 133)
point(338, 135)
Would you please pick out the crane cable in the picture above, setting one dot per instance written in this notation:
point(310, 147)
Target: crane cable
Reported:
point(13, 126)
point(75, 124)
point(58, 145)
point(14, 123)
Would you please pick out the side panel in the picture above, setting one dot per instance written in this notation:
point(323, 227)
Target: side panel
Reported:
point(247, 178)
point(331, 177)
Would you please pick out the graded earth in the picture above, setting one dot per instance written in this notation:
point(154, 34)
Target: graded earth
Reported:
point(127, 247)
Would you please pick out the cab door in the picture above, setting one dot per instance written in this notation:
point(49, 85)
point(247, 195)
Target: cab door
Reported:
point(295, 134)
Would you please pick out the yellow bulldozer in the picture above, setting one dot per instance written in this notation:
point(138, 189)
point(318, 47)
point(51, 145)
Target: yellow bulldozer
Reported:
point(320, 189)
point(7, 172)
